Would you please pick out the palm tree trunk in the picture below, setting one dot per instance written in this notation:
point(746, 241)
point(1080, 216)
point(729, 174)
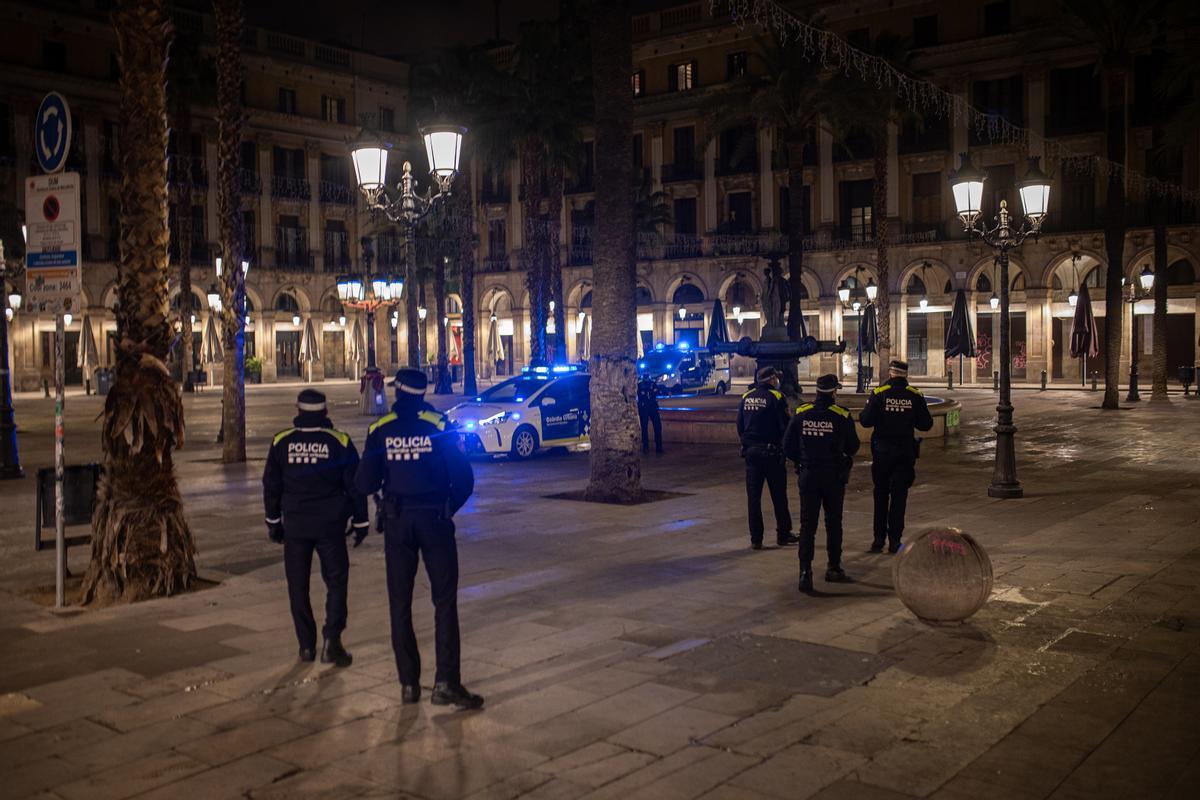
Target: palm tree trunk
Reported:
point(879, 218)
point(466, 267)
point(229, 21)
point(554, 281)
point(795, 153)
point(1114, 235)
point(533, 256)
point(616, 471)
point(442, 385)
point(1158, 211)
point(141, 544)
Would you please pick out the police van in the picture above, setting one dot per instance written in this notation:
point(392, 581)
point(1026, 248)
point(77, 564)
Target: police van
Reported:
point(540, 408)
point(681, 368)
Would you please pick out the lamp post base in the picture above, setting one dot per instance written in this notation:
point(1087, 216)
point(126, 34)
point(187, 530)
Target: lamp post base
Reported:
point(1006, 491)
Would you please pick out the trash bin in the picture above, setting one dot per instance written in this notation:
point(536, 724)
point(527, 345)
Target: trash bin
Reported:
point(103, 381)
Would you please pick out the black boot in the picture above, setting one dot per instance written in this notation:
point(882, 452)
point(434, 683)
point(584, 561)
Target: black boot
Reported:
point(308, 654)
point(332, 652)
point(410, 694)
point(894, 547)
point(783, 540)
point(806, 580)
point(835, 575)
point(454, 694)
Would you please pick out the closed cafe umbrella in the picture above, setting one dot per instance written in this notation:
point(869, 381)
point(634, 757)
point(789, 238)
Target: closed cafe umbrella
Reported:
point(959, 339)
point(1085, 339)
point(310, 351)
point(88, 357)
point(868, 340)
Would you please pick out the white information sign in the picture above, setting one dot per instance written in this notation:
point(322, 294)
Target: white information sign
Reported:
point(53, 249)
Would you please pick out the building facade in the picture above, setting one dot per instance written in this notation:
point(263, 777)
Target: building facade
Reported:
point(729, 203)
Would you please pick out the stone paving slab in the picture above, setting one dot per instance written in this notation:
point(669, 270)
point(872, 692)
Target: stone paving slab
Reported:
point(647, 652)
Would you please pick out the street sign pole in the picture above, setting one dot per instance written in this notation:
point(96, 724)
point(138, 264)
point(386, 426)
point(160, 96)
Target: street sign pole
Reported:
point(60, 545)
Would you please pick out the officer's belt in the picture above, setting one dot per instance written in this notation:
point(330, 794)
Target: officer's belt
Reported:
point(399, 504)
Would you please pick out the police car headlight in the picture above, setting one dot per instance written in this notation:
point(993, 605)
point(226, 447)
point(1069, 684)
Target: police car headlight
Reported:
point(496, 419)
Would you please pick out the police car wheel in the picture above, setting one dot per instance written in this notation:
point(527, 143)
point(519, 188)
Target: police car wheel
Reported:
point(524, 443)
point(722, 388)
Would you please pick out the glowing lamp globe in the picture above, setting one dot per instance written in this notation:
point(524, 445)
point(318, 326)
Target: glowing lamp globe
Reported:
point(443, 146)
point(994, 301)
point(214, 298)
point(1073, 298)
point(296, 320)
point(380, 286)
point(943, 576)
point(924, 302)
point(370, 157)
point(14, 300)
point(872, 290)
point(966, 183)
point(1035, 194)
point(1146, 279)
point(395, 287)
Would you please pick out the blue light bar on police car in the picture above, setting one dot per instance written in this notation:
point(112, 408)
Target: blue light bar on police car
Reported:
point(682, 345)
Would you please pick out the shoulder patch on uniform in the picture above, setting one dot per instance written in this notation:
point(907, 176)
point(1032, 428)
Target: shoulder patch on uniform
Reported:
point(882, 389)
point(279, 437)
point(433, 418)
point(343, 438)
point(835, 408)
point(803, 408)
point(384, 420)
point(778, 394)
point(914, 390)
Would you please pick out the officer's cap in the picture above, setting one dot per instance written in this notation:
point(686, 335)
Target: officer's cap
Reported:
point(828, 383)
point(766, 374)
point(311, 400)
point(410, 381)
point(898, 367)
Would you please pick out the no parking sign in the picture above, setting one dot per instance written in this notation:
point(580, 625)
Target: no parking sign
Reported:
point(52, 252)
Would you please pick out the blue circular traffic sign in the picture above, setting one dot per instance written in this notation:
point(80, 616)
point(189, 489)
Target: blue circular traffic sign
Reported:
point(52, 133)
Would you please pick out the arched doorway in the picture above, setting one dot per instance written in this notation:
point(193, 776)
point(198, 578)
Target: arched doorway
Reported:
point(287, 335)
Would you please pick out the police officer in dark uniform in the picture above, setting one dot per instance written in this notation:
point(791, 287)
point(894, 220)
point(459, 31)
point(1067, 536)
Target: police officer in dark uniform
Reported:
point(413, 455)
point(761, 421)
point(647, 400)
point(308, 490)
point(895, 410)
point(821, 440)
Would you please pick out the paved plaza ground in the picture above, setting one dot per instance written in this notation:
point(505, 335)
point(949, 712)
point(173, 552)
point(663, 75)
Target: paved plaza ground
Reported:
point(630, 652)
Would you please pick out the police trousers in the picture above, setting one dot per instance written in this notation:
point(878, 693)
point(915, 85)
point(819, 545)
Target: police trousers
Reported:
point(772, 470)
point(335, 571)
point(651, 417)
point(410, 535)
point(893, 470)
point(821, 489)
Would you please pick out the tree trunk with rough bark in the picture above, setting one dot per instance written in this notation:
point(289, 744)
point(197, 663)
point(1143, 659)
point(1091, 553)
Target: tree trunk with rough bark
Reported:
point(141, 544)
point(230, 119)
point(615, 466)
point(1114, 235)
point(533, 250)
point(795, 152)
point(466, 265)
point(883, 309)
point(554, 267)
point(1158, 393)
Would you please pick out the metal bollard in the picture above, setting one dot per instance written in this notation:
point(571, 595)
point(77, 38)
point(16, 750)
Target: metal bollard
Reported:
point(1095, 380)
point(950, 380)
point(995, 381)
point(1043, 380)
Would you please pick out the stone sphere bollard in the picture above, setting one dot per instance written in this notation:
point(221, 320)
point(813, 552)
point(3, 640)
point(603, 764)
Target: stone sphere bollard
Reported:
point(943, 575)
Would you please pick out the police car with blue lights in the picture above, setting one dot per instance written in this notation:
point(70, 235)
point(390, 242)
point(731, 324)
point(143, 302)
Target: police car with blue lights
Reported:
point(682, 368)
point(542, 407)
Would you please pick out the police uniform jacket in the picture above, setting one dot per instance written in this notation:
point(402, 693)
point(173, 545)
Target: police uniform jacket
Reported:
point(413, 455)
point(308, 483)
point(762, 418)
point(647, 395)
point(821, 436)
point(895, 410)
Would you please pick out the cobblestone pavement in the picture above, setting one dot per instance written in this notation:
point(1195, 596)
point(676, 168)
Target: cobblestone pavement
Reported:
point(646, 651)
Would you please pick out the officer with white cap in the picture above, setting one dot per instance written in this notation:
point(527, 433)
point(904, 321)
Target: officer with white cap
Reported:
point(413, 455)
point(308, 490)
point(821, 441)
point(896, 411)
point(761, 420)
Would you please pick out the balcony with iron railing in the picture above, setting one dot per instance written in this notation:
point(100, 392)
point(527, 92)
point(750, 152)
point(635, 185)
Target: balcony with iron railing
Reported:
point(291, 249)
point(683, 171)
point(249, 182)
point(337, 251)
point(286, 187)
point(336, 193)
point(189, 168)
point(496, 264)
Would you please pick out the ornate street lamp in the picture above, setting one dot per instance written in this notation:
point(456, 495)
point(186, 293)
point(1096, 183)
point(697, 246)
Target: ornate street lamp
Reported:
point(402, 204)
point(967, 186)
point(1135, 293)
point(214, 299)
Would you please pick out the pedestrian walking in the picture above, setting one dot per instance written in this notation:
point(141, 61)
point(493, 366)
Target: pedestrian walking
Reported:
point(309, 494)
point(761, 421)
point(647, 400)
point(413, 456)
point(821, 441)
point(895, 411)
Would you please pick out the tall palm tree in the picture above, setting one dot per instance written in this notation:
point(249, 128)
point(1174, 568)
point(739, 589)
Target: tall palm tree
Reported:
point(1113, 29)
point(230, 117)
point(615, 467)
point(864, 105)
point(141, 544)
point(790, 95)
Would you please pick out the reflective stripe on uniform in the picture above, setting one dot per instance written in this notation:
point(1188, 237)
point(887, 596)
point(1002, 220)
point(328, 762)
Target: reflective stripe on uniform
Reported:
point(835, 408)
point(804, 408)
point(279, 437)
point(747, 394)
point(433, 418)
point(914, 390)
point(778, 394)
point(384, 420)
point(882, 388)
point(343, 438)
